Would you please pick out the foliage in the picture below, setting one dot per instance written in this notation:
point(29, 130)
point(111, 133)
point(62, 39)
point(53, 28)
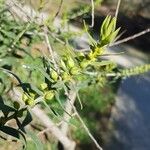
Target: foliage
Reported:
point(45, 77)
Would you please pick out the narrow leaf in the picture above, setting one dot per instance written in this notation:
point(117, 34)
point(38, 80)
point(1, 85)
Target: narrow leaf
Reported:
point(10, 131)
point(27, 119)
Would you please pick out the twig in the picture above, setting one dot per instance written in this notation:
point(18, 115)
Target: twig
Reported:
point(112, 54)
point(50, 48)
point(92, 13)
point(117, 9)
point(130, 37)
point(87, 130)
point(59, 8)
point(20, 35)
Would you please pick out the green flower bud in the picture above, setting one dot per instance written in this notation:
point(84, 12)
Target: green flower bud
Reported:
point(70, 62)
point(54, 75)
point(30, 102)
point(84, 63)
point(80, 56)
point(74, 70)
point(16, 105)
point(24, 97)
point(65, 76)
point(90, 55)
point(43, 86)
point(32, 95)
point(49, 95)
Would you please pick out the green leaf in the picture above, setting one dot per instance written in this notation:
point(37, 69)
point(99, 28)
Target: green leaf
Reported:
point(102, 63)
point(49, 108)
point(5, 109)
point(10, 131)
point(20, 125)
point(92, 41)
point(10, 35)
point(108, 33)
point(27, 119)
point(113, 36)
point(112, 24)
point(57, 95)
point(14, 75)
point(110, 38)
point(105, 25)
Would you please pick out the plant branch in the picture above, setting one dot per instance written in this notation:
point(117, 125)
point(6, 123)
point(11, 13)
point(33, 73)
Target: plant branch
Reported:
point(117, 9)
point(92, 13)
point(50, 48)
point(59, 8)
point(130, 37)
point(87, 130)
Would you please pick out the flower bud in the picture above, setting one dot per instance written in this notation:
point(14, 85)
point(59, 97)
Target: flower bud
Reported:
point(32, 95)
point(65, 76)
point(74, 70)
point(70, 62)
point(43, 86)
point(54, 75)
point(30, 102)
point(49, 95)
point(16, 105)
point(84, 63)
point(24, 97)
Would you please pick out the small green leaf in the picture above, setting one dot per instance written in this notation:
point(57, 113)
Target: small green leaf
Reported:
point(113, 36)
point(5, 109)
point(10, 131)
point(105, 25)
point(92, 41)
point(27, 119)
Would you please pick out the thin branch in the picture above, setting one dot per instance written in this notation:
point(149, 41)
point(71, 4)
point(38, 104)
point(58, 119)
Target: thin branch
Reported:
point(87, 130)
point(92, 13)
point(50, 48)
point(130, 37)
point(113, 54)
point(59, 8)
point(117, 9)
